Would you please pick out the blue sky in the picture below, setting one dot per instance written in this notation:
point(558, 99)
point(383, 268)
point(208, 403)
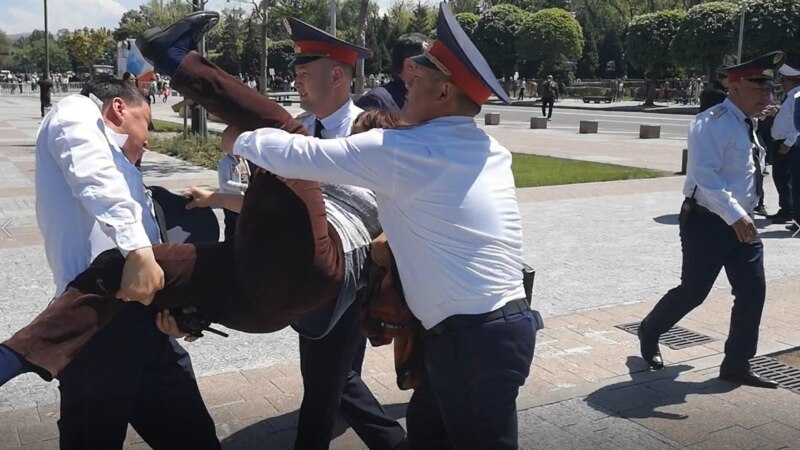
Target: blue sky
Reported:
point(22, 16)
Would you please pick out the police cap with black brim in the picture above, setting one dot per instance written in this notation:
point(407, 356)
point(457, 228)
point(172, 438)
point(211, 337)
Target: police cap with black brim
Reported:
point(453, 54)
point(311, 43)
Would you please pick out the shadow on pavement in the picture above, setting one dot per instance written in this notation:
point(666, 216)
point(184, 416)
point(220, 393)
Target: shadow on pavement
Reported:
point(667, 219)
point(649, 390)
point(278, 433)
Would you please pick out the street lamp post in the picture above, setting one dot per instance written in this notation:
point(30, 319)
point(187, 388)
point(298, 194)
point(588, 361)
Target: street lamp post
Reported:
point(741, 36)
point(333, 17)
point(46, 45)
point(202, 123)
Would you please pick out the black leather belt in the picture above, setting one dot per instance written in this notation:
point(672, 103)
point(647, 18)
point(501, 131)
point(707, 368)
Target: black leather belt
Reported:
point(461, 321)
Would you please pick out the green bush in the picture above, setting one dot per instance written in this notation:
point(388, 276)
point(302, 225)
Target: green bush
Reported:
point(188, 149)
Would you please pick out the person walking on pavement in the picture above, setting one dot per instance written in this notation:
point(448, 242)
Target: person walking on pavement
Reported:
point(45, 88)
point(723, 185)
point(446, 200)
point(549, 96)
point(786, 162)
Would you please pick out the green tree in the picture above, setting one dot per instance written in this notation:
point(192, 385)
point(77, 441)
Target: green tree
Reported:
point(29, 54)
point(85, 47)
point(552, 37)
point(465, 6)
point(587, 65)
point(647, 44)
point(251, 47)
point(496, 37)
point(770, 25)
point(706, 35)
point(228, 47)
point(5, 50)
point(468, 22)
point(281, 54)
point(421, 19)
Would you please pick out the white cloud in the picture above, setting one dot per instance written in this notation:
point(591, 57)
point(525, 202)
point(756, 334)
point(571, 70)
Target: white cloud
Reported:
point(71, 14)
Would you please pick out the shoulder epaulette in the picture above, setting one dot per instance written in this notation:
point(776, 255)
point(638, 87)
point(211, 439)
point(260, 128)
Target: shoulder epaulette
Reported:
point(718, 111)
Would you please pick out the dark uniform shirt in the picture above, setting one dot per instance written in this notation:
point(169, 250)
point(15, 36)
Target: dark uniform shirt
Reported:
point(389, 97)
point(713, 95)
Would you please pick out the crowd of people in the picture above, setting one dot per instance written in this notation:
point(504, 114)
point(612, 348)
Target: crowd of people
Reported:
point(394, 216)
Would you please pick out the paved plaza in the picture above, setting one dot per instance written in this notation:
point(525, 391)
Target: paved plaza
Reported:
point(604, 254)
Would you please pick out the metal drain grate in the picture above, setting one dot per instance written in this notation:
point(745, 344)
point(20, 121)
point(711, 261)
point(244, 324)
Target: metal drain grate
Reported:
point(676, 338)
point(768, 367)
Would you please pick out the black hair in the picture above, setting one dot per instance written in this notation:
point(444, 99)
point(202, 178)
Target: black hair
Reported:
point(407, 45)
point(108, 89)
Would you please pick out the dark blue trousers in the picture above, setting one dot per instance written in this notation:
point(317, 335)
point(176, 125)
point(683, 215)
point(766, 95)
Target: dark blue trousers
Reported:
point(794, 169)
point(332, 385)
point(473, 377)
point(132, 373)
point(709, 245)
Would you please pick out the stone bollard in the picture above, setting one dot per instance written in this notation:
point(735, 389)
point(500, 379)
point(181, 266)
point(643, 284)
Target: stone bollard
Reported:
point(538, 123)
point(588, 127)
point(649, 131)
point(684, 161)
point(492, 119)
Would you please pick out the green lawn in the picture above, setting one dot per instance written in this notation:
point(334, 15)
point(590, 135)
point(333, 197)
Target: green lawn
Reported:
point(206, 155)
point(165, 126)
point(529, 170)
point(533, 170)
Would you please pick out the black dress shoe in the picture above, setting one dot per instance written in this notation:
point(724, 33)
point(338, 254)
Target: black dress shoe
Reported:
point(156, 41)
point(649, 350)
point(760, 211)
point(792, 227)
point(779, 217)
point(746, 378)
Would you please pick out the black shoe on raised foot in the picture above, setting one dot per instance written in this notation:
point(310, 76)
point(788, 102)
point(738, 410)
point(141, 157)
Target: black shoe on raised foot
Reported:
point(649, 350)
point(156, 41)
point(746, 378)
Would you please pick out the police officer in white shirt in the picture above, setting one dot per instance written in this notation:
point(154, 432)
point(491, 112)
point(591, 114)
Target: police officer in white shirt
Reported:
point(90, 198)
point(786, 135)
point(723, 186)
point(447, 203)
point(331, 365)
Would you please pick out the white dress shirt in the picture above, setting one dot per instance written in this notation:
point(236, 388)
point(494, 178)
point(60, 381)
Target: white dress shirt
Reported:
point(721, 163)
point(446, 201)
point(783, 128)
point(337, 124)
point(89, 197)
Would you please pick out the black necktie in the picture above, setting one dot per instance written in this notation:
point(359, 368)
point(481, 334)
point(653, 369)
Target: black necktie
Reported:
point(318, 127)
point(756, 159)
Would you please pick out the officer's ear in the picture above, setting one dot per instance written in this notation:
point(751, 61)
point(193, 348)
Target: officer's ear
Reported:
point(116, 111)
point(447, 91)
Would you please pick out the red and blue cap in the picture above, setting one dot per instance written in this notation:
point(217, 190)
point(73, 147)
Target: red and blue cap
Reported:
point(453, 54)
point(311, 43)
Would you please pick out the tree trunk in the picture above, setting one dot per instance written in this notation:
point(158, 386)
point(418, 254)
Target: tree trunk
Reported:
point(361, 41)
point(649, 92)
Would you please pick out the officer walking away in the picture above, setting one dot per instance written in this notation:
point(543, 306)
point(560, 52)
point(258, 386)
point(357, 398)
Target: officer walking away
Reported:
point(549, 96)
point(392, 96)
point(45, 87)
point(785, 166)
point(716, 222)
